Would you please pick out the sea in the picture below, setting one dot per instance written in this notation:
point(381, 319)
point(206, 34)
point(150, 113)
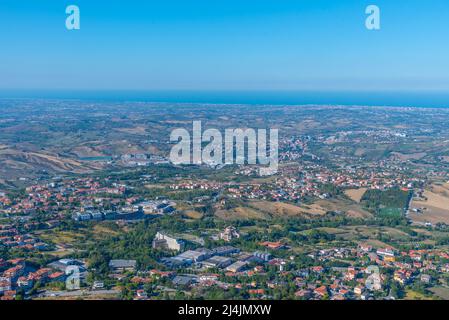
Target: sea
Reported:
point(429, 99)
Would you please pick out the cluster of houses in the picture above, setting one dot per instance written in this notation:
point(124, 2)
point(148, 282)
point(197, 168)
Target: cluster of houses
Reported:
point(300, 180)
point(296, 181)
point(65, 194)
point(202, 185)
point(141, 210)
point(363, 280)
point(366, 278)
point(91, 200)
point(16, 275)
point(10, 237)
point(317, 282)
point(4, 200)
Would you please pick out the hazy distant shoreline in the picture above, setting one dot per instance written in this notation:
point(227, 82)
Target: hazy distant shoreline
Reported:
point(431, 99)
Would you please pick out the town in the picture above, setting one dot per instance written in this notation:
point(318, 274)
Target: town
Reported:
point(353, 214)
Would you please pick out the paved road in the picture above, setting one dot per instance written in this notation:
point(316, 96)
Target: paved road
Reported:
point(78, 293)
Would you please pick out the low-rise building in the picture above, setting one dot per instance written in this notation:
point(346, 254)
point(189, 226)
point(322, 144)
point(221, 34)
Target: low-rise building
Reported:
point(237, 266)
point(217, 262)
point(122, 265)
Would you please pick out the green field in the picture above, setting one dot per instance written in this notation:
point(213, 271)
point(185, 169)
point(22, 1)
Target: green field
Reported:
point(390, 212)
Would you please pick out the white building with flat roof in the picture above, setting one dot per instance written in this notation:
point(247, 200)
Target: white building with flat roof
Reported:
point(165, 241)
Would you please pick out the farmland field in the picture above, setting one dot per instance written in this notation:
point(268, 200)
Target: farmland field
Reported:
point(435, 206)
point(355, 194)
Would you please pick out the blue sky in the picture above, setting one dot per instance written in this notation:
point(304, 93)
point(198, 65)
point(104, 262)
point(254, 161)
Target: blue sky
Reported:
point(225, 45)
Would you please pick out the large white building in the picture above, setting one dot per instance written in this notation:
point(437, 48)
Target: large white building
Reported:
point(165, 241)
